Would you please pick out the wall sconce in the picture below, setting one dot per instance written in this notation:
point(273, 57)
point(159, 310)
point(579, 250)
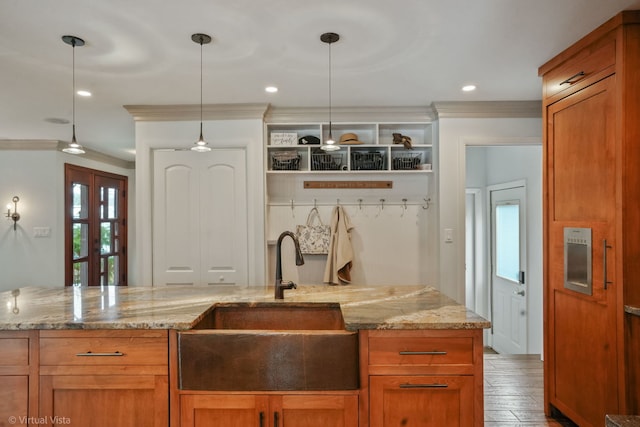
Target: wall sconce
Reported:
point(15, 216)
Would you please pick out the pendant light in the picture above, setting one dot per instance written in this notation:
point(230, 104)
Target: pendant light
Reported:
point(200, 145)
point(329, 144)
point(73, 147)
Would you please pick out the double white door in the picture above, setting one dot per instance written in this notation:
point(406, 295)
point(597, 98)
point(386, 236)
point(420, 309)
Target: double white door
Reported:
point(200, 217)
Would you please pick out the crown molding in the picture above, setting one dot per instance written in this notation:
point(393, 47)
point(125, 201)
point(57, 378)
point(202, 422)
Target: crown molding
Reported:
point(487, 109)
point(101, 157)
point(183, 112)
point(29, 144)
point(55, 145)
point(350, 114)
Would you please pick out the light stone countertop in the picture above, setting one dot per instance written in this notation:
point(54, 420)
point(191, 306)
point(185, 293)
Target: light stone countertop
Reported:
point(179, 307)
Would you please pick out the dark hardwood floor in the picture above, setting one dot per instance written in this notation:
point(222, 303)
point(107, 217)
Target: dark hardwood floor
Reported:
point(513, 392)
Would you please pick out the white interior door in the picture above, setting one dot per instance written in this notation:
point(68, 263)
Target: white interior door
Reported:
point(200, 218)
point(508, 258)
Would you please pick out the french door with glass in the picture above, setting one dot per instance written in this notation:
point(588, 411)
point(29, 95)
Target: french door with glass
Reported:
point(95, 227)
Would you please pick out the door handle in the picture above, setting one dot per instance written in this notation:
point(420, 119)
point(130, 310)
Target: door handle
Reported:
point(604, 262)
point(521, 293)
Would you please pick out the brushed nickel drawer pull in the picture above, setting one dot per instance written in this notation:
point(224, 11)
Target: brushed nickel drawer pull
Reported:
point(423, 353)
point(434, 385)
point(569, 80)
point(89, 353)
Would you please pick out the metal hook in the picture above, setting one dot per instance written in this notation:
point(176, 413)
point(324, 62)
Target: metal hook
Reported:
point(315, 206)
point(338, 202)
point(382, 203)
point(360, 204)
point(293, 214)
point(404, 207)
point(426, 201)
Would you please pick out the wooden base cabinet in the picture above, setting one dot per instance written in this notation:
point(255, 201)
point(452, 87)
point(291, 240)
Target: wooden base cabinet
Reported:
point(422, 378)
point(104, 378)
point(17, 377)
point(269, 410)
point(421, 401)
point(591, 105)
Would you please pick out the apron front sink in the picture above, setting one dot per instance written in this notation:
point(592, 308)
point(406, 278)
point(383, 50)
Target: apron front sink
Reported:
point(269, 347)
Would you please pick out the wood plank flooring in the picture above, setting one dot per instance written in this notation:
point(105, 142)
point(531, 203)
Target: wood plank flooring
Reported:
point(513, 392)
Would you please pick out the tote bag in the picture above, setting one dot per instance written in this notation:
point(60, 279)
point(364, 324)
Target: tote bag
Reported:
point(313, 236)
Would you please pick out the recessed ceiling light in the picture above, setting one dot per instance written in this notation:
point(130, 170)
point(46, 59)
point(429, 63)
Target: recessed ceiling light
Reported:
point(468, 88)
point(271, 89)
point(83, 93)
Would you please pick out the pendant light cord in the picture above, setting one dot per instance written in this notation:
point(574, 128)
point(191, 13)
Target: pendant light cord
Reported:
point(201, 41)
point(330, 136)
point(73, 88)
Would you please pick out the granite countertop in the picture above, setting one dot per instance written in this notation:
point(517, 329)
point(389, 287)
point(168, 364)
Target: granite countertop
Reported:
point(622, 420)
point(179, 307)
point(635, 311)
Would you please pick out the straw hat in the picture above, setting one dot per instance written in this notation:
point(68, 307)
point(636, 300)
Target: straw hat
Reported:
point(350, 139)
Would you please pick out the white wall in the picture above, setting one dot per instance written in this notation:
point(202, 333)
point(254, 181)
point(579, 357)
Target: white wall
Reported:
point(495, 165)
point(454, 135)
point(37, 177)
point(245, 133)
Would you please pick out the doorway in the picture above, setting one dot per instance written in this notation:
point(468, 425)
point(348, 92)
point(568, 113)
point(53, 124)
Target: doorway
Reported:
point(95, 227)
point(489, 165)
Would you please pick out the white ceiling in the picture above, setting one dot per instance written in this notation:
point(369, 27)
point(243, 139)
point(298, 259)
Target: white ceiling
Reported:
point(391, 53)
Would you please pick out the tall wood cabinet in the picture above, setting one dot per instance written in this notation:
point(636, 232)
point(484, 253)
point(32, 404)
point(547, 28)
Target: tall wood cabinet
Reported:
point(591, 116)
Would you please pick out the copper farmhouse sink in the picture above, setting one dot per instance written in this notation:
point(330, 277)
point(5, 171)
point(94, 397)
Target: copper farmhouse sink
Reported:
point(269, 346)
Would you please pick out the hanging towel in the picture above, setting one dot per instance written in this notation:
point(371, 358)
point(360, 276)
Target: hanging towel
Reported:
point(340, 256)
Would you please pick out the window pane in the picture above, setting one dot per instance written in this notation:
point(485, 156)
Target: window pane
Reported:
point(80, 274)
point(109, 203)
point(105, 237)
point(80, 210)
point(80, 242)
point(508, 241)
point(112, 270)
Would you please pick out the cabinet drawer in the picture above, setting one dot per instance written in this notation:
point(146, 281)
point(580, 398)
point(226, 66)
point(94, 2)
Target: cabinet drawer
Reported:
point(420, 351)
point(102, 349)
point(580, 68)
point(15, 351)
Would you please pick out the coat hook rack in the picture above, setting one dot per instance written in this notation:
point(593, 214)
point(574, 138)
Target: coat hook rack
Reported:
point(427, 201)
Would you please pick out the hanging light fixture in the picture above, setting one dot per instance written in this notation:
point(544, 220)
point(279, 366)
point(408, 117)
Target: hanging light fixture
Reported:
point(200, 145)
point(73, 147)
point(329, 144)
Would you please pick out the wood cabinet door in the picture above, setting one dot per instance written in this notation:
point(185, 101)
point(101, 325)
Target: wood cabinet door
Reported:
point(104, 400)
point(580, 336)
point(421, 401)
point(314, 410)
point(234, 410)
point(14, 400)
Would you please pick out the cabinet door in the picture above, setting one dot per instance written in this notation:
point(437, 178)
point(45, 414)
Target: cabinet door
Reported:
point(421, 401)
point(104, 400)
point(581, 183)
point(315, 410)
point(244, 410)
point(14, 398)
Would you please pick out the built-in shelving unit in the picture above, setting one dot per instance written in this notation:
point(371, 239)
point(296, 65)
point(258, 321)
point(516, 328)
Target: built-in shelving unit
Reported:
point(375, 152)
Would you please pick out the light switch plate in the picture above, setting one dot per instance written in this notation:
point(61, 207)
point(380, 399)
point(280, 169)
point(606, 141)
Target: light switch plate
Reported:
point(41, 231)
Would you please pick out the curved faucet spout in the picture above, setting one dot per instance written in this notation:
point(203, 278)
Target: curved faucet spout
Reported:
point(279, 285)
